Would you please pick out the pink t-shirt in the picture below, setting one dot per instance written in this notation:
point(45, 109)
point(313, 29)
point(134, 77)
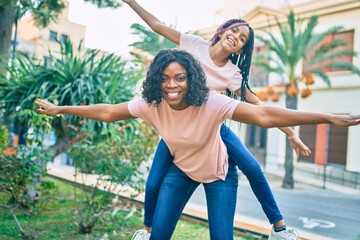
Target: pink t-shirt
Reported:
point(192, 135)
point(218, 78)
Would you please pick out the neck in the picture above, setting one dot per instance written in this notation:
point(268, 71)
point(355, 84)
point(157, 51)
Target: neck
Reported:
point(218, 56)
point(179, 108)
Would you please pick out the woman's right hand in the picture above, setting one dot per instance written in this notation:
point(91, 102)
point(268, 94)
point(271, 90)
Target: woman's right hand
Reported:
point(47, 108)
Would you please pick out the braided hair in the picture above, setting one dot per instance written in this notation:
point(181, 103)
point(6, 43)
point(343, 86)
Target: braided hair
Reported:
point(243, 60)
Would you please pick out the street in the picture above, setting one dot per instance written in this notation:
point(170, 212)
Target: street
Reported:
point(309, 209)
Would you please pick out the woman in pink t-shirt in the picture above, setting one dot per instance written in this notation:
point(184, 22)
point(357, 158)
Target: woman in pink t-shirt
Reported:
point(176, 101)
point(226, 60)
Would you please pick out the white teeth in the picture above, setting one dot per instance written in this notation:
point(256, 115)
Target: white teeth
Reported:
point(173, 94)
point(231, 41)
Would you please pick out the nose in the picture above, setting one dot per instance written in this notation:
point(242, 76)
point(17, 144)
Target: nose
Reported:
point(237, 37)
point(171, 83)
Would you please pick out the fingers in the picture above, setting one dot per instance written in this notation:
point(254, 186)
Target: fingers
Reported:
point(347, 121)
point(45, 106)
point(40, 102)
point(352, 120)
point(306, 152)
point(300, 148)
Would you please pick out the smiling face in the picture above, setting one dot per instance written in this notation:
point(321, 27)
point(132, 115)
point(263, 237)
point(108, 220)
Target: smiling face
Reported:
point(174, 86)
point(234, 38)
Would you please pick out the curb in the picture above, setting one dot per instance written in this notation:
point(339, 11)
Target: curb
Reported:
point(191, 211)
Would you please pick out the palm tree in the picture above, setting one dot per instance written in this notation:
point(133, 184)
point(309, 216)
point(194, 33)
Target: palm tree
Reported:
point(299, 47)
point(150, 41)
point(69, 80)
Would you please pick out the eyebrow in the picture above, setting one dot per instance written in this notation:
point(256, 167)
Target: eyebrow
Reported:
point(176, 74)
point(241, 34)
point(237, 28)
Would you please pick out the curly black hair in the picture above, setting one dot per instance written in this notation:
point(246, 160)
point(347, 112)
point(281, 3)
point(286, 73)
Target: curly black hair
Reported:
point(242, 61)
point(197, 92)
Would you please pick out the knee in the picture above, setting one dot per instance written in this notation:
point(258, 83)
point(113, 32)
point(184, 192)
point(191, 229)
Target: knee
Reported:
point(152, 186)
point(252, 170)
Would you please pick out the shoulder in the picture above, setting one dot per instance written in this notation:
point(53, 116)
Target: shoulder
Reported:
point(218, 98)
point(221, 105)
point(139, 106)
point(189, 39)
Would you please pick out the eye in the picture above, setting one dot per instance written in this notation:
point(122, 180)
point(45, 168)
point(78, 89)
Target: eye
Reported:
point(182, 79)
point(164, 79)
point(235, 29)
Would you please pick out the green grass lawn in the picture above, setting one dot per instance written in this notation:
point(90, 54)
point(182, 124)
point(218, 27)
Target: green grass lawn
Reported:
point(58, 221)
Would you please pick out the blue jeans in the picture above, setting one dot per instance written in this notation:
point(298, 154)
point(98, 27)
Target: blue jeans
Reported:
point(175, 191)
point(237, 152)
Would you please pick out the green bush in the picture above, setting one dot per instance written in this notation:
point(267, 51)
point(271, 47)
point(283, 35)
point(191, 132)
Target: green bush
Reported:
point(116, 161)
point(17, 184)
point(3, 137)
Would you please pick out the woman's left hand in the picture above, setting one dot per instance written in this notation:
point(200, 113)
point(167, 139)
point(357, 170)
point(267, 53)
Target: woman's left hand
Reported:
point(299, 146)
point(346, 121)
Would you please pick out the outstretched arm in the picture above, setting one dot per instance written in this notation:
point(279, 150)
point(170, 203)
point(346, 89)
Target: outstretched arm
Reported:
point(100, 112)
point(154, 23)
point(295, 141)
point(270, 116)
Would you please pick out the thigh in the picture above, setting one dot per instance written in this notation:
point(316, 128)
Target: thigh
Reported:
point(221, 203)
point(238, 152)
point(175, 190)
point(160, 165)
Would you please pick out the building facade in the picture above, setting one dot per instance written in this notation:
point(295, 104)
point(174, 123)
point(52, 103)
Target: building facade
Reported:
point(39, 41)
point(335, 151)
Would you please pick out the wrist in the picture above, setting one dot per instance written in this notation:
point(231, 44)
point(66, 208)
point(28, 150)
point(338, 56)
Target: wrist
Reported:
point(60, 109)
point(291, 137)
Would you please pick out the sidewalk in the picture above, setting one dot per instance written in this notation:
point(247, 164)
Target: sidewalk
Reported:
point(303, 178)
point(191, 212)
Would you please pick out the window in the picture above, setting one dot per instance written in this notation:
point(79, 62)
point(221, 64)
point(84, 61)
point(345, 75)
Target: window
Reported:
point(64, 38)
point(308, 136)
point(337, 145)
point(328, 144)
point(259, 78)
point(53, 36)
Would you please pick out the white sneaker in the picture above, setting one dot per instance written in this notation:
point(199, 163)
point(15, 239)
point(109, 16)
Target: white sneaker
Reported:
point(141, 234)
point(288, 234)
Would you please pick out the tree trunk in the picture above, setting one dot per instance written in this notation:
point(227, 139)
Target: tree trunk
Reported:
point(7, 18)
point(288, 181)
point(62, 144)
